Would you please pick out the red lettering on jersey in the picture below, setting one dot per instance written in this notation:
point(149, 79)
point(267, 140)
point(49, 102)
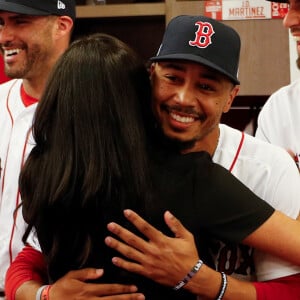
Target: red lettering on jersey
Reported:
point(203, 35)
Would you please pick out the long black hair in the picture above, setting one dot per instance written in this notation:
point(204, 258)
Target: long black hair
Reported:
point(90, 158)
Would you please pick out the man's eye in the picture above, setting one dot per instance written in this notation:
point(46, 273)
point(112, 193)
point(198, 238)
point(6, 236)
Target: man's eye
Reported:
point(205, 87)
point(171, 77)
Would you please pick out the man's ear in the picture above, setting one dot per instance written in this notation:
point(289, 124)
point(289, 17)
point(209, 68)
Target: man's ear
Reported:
point(151, 69)
point(233, 93)
point(64, 26)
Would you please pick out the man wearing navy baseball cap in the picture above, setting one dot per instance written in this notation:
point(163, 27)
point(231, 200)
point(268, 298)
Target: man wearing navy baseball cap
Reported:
point(195, 80)
point(193, 48)
point(33, 35)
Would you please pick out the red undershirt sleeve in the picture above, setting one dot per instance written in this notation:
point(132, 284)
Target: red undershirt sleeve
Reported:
point(278, 289)
point(28, 265)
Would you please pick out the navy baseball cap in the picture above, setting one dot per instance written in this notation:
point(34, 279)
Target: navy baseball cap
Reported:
point(202, 40)
point(279, 1)
point(40, 7)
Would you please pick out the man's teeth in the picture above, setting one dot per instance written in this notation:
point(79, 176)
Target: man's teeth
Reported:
point(12, 52)
point(181, 118)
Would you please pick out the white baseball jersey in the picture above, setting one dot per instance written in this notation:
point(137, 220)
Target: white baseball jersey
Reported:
point(270, 173)
point(15, 144)
point(279, 119)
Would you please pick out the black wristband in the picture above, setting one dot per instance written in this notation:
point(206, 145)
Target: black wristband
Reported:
point(223, 286)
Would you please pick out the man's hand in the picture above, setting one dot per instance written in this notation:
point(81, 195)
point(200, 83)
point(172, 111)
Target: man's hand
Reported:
point(73, 286)
point(163, 259)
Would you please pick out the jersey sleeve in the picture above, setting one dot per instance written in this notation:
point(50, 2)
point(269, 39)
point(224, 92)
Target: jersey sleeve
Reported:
point(28, 265)
point(278, 289)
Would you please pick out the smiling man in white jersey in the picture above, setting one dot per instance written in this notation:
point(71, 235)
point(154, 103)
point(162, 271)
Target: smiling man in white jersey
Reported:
point(189, 100)
point(33, 35)
point(194, 77)
point(279, 119)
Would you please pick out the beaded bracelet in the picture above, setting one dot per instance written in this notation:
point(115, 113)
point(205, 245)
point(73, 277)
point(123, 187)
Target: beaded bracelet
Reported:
point(189, 275)
point(45, 292)
point(223, 287)
point(39, 292)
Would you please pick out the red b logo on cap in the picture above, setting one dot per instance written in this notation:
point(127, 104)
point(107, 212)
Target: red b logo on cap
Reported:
point(203, 35)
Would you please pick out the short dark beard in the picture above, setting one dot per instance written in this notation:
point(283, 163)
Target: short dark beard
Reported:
point(173, 145)
point(181, 146)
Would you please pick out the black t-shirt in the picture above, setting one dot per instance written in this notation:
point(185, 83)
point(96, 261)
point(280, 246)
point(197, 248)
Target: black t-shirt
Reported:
point(206, 197)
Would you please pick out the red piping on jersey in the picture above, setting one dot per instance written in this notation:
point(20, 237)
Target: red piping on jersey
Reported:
point(12, 124)
point(17, 199)
point(237, 152)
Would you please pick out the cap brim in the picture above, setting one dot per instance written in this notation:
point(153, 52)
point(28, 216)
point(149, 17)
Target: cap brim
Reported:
point(197, 59)
point(21, 9)
point(279, 1)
